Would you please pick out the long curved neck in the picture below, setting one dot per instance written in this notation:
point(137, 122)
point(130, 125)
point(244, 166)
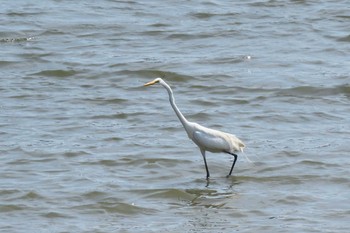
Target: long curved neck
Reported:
point(173, 105)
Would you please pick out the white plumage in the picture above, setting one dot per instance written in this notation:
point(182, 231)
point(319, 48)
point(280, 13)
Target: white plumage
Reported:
point(206, 139)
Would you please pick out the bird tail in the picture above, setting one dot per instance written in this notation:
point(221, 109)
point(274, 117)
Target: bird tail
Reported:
point(240, 145)
point(241, 148)
point(246, 157)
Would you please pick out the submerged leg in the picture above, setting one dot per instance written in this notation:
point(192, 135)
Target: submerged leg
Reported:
point(233, 164)
point(205, 163)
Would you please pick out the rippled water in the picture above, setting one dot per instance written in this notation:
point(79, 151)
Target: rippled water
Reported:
point(86, 148)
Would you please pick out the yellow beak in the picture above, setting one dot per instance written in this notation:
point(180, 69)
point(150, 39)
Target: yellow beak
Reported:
point(150, 83)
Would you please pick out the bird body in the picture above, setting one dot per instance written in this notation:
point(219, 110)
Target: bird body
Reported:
point(216, 141)
point(205, 138)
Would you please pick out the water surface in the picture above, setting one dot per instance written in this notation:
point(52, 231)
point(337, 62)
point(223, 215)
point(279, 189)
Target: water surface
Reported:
point(86, 148)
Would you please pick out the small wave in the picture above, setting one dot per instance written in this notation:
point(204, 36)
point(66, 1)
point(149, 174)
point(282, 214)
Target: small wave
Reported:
point(114, 206)
point(71, 154)
point(316, 91)
point(175, 194)
point(32, 195)
point(57, 73)
point(100, 100)
point(14, 40)
point(11, 208)
point(53, 214)
point(93, 195)
point(203, 102)
point(154, 73)
point(111, 116)
point(344, 39)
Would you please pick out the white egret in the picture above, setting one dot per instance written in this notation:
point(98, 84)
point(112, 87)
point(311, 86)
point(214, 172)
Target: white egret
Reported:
point(206, 139)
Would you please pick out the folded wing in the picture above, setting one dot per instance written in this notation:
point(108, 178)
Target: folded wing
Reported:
point(211, 141)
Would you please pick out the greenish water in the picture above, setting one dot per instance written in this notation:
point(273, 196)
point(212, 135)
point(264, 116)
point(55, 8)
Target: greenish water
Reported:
point(86, 148)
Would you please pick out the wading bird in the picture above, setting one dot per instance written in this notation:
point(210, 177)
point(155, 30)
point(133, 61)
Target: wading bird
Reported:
point(206, 139)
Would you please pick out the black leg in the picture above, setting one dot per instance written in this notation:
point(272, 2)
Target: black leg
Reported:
point(233, 164)
point(205, 163)
point(206, 167)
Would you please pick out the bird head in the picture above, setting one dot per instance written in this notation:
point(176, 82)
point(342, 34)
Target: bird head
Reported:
point(157, 80)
